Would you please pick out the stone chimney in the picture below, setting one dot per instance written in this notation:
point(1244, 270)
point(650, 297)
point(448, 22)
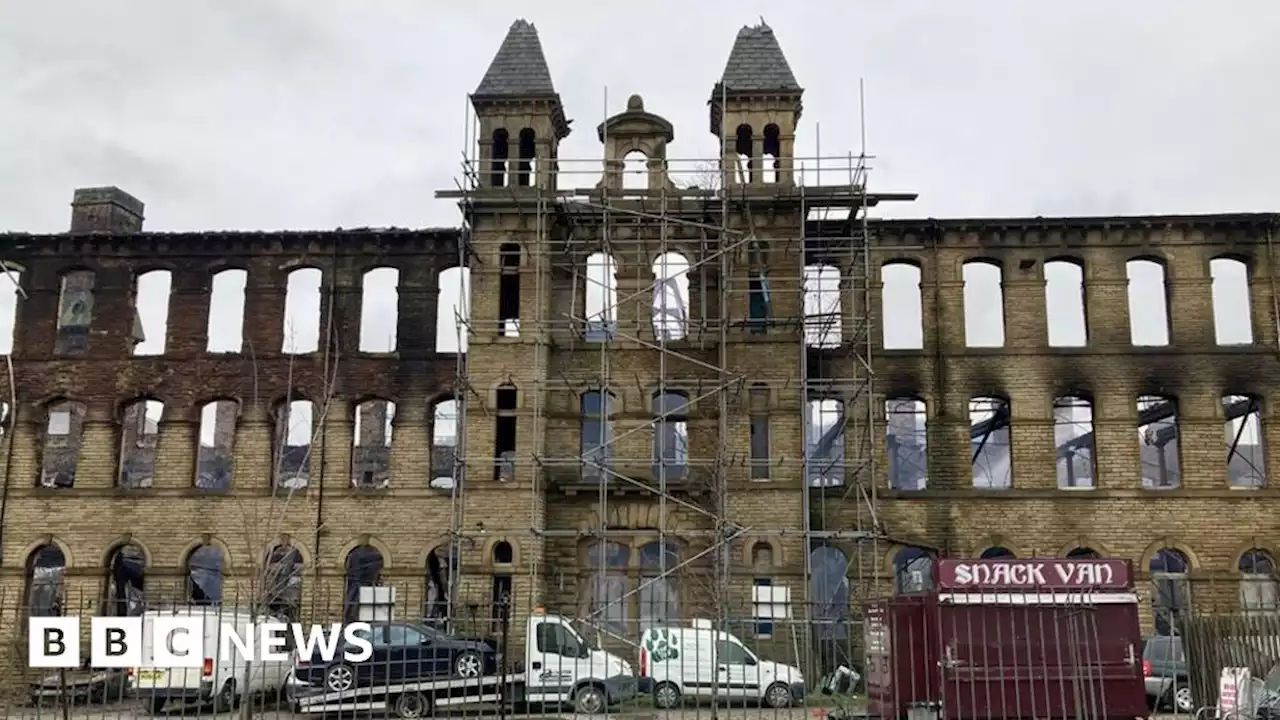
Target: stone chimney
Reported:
point(105, 209)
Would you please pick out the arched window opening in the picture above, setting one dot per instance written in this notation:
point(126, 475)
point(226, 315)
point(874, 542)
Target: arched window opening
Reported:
point(60, 455)
point(1073, 439)
point(498, 163)
point(1064, 304)
point(1246, 459)
point(912, 571)
point(525, 169)
point(601, 301)
point(151, 312)
point(635, 171)
point(371, 453)
point(597, 435)
point(444, 444)
point(379, 310)
point(824, 442)
point(762, 555)
point(1258, 594)
point(822, 328)
point(225, 331)
point(442, 567)
point(906, 437)
point(901, 306)
point(295, 423)
point(1232, 308)
point(983, 304)
point(453, 313)
point(995, 553)
point(671, 296)
point(771, 163)
point(608, 562)
point(282, 582)
point(204, 575)
point(509, 290)
point(670, 435)
point(1148, 303)
point(363, 569)
point(744, 169)
point(126, 580)
point(75, 313)
point(504, 437)
point(215, 457)
point(503, 553)
point(10, 291)
point(991, 444)
point(1171, 596)
point(829, 595)
point(1086, 553)
point(1158, 442)
point(302, 312)
point(46, 571)
point(139, 438)
point(659, 584)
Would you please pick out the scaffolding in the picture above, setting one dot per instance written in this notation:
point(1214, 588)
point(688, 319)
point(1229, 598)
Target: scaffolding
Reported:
point(732, 262)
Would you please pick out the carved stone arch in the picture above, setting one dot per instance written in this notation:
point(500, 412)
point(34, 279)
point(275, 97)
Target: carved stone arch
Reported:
point(1168, 543)
point(775, 548)
point(1086, 541)
point(228, 561)
point(492, 544)
point(285, 540)
point(987, 542)
point(1253, 543)
point(113, 546)
point(891, 554)
point(355, 542)
point(42, 541)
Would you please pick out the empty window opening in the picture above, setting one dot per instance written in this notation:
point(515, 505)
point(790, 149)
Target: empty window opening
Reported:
point(635, 171)
point(1148, 303)
point(1084, 552)
point(1232, 311)
point(601, 300)
point(912, 571)
point(139, 439)
point(829, 593)
point(525, 168)
point(607, 587)
point(442, 567)
point(1246, 461)
point(62, 438)
point(771, 164)
point(379, 310)
point(498, 163)
point(10, 292)
point(363, 569)
point(46, 577)
point(671, 296)
point(824, 442)
point(670, 435)
point(901, 306)
point(215, 459)
point(294, 429)
point(759, 303)
point(371, 453)
point(126, 577)
point(151, 312)
point(509, 291)
point(1064, 303)
point(597, 434)
point(996, 552)
point(659, 584)
point(906, 443)
point(444, 444)
point(226, 311)
point(822, 306)
point(989, 437)
point(1258, 583)
point(204, 568)
point(302, 312)
point(760, 433)
point(744, 169)
point(1171, 594)
point(453, 314)
point(503, 553)
point(1073, 440)
point(762, 555)
point(1158, 442)
point(504, 443)
point(75, 313)
point(282, 582)
point(983, 304)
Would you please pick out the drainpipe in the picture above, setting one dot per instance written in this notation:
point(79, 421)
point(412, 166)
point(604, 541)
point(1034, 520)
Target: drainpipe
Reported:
point(324, 433)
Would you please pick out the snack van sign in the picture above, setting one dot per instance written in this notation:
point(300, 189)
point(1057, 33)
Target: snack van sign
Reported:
point(1050, 573)
point(180, 642)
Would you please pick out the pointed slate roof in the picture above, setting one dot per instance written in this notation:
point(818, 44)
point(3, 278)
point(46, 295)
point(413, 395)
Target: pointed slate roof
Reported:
point(757, 63)
point(519, 68)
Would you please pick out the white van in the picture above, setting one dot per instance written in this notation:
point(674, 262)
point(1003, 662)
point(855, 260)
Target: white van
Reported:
point(221, 679)
point(680, 661)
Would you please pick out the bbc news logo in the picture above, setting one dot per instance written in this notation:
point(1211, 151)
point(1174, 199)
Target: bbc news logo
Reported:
point(182, 642)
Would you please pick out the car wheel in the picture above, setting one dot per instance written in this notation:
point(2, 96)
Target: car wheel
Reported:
point(778, 696)
point(1182, 700)
point(226, 699)
point(589, 700)
point(155, 705)
point(340, 678)
point(468, 664)
point(666, 695)
point(411, 706)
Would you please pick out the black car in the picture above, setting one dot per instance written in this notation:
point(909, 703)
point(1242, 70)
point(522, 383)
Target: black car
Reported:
point(401, 652)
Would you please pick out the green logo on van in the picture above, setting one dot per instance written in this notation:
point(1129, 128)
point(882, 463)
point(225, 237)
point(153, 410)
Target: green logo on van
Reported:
point(663, 645)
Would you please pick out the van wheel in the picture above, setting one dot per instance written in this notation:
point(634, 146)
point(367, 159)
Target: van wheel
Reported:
point(666, 695)
point(411, 706)
point(778, 696)
point(227, 699)
point(589, 700)
point(155, 705)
